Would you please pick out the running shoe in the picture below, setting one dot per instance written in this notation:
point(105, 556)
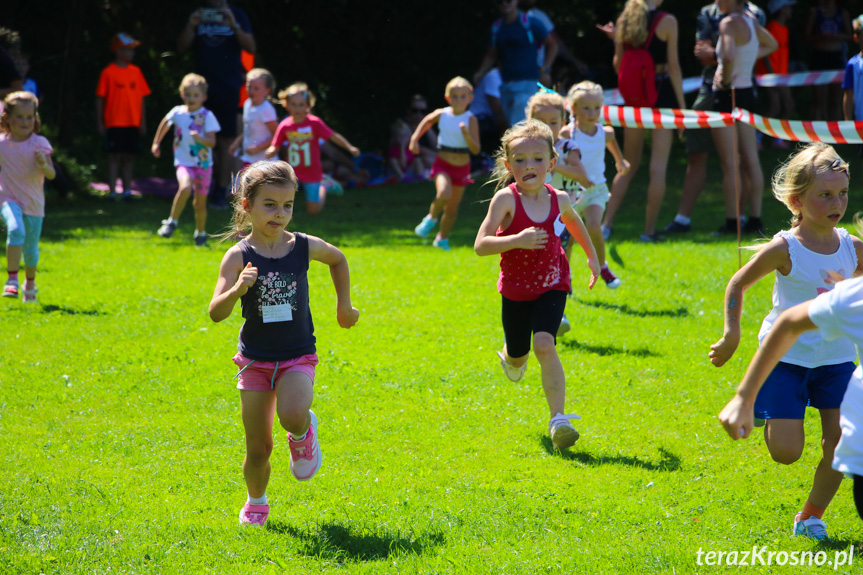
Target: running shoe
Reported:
point(306, 453)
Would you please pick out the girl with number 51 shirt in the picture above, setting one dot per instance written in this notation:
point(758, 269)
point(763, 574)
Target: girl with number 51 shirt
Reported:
point(302, 131)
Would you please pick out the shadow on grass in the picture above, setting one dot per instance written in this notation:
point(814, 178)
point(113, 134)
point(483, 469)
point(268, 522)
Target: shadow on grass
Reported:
point(614, 256)
point(603, 350)
point(667, 462)
point(69, 311)
point(627, 310)
point(335, 541)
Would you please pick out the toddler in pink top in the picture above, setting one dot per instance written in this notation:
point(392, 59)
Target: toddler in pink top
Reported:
point(523, 225)
point(25, 161)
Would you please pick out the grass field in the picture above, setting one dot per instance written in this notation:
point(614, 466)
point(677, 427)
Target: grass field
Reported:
point(123, 442)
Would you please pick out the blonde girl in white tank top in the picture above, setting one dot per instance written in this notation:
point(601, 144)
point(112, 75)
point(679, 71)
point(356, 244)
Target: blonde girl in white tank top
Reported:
point(807, 260)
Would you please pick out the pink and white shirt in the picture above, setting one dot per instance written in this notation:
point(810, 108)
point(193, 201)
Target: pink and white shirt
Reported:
point(21, 179)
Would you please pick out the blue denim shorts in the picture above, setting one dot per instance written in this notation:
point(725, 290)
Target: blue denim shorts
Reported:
point(790, 388)
point(312, 191)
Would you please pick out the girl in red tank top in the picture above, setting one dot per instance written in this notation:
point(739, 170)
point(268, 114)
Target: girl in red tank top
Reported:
point(523, 225)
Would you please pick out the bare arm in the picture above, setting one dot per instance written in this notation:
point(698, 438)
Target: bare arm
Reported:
point(766, 42)
point(620, 163)
point(737, 417)
point(163, 128)
point(669, 22)
point(772, 257)
point(187, 35)
point(618, 50)
point(44, 163)
point(572, 168)
point(271, 126)
point(208, 139)
point(100, 115)
point(340, 141)
point(321, 251)
point(550, 55)
point(471, 135)
point(729, 50)
point(245, 39)
point(423, 127)
point(575, 226)
point(233, 283)
point(488, 243)
point(848, 104)
point(488, 62)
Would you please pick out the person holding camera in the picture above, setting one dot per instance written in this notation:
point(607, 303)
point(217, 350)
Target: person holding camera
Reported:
point(218, 33)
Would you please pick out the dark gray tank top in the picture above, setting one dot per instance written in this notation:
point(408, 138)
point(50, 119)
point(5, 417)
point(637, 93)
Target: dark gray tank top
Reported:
point(278, 322)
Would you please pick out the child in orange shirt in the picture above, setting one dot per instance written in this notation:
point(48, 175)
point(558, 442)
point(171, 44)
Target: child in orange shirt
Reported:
point(120, 111)
point(779, 101)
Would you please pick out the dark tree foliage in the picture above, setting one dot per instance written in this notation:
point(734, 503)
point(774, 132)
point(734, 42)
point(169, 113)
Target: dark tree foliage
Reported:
point(363, 58)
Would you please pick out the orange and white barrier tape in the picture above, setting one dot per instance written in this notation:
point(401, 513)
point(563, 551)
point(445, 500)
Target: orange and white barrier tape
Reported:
point(817, 78)
point(794, 130)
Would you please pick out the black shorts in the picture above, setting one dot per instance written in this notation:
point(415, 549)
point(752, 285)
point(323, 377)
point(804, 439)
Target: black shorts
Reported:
point(743, 98)
point(223, 102)
point(522, 319)
point(123, 140)
point(665, 97)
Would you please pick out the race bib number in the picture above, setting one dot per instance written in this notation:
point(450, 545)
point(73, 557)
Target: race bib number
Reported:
point(277, 313)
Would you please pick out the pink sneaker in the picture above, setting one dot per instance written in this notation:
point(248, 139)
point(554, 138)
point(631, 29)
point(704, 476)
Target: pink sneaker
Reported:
point(10, 289)
point(254, 514)
point(306, 454)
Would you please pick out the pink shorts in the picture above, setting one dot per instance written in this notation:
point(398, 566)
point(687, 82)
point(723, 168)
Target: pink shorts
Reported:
point(200, 178)
point(262, 375)
point(460, 175)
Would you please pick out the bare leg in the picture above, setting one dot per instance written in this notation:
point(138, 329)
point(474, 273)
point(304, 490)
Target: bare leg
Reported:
point(693, 183)
point(827, 479)
point(200, 204)
point(450, 212)
point(258, 409)
point(13, 257)
point(553, 379)
point(126, 163)
point(751, 165)
point(723, 139)
point(785, 439)
point(181, 197)
point(660, 149)
point(633, 145)
point(294, 392)
point(443, 193)
point(113, 168)
point(592, 219)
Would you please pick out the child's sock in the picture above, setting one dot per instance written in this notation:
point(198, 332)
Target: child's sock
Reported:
point(200, 233)
point(262, 500)
point(13, 277)
point(682, 220)
point(297, 437)
point(810, 510)
point(173, 221)
point(30, 283)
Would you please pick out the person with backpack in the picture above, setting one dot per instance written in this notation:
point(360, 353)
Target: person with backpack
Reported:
point(742, 42)
point(649, 75)
point(514, 41)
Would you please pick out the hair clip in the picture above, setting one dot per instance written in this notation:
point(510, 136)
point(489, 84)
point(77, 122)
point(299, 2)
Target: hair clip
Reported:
point(837, 166)
point(544, 89)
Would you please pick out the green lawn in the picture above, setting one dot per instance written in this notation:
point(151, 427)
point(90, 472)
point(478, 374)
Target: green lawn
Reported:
point(123, 442)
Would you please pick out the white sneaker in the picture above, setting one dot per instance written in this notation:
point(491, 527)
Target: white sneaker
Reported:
point(563, 434)
point(512, 372)
point(813, 528)
point(564, 326)
point(306, 454)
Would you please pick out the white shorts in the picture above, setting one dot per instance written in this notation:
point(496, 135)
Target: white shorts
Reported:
point(848, 457)
point(596, 195)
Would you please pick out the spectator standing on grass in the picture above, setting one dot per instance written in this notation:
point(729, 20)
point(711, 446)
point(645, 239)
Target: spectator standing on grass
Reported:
point(120, 112)
point(828, 27)
point(699, 142)
point(218, 33)
point(267, 271)
point(563, 52)
point(779, 101)
point(852, 84)
point(514, 41)
point(458, 138)
point(642, 25)
point(806, 260)
point(742, 41)
point(525, 219)
point(195, 128)
point(25, 162)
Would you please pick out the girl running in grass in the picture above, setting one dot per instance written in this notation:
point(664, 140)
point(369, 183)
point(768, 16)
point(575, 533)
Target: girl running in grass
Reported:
point(524, 222)
point(25, 162)
point(458, 138)
point(302, 131)
point(267, 271)
point(195, 129)
point(568, 172)
point(807, 260)
point(259, 118)
point(591, 139)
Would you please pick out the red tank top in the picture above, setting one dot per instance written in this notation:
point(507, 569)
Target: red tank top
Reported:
point(527, 274)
